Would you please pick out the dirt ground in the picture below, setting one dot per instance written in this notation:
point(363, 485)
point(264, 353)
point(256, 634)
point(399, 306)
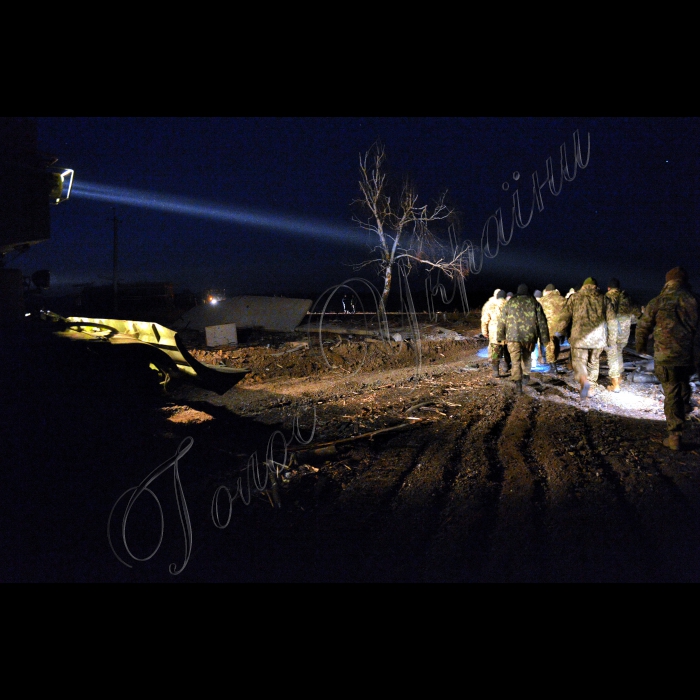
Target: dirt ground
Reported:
point(400, 461)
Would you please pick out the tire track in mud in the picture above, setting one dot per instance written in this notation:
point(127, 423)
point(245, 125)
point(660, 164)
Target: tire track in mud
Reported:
point(591, 536)
point(344, 531)
point(505, 488)
point(414, 512)
point(516, 540)
point(460, 545)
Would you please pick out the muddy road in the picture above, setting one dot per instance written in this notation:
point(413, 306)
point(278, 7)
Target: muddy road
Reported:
point(389, 470)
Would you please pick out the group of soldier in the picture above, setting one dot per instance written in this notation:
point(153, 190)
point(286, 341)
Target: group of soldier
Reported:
point(595, 321)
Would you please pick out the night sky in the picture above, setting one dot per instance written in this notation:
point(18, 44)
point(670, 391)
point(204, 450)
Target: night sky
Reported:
point(263, 205)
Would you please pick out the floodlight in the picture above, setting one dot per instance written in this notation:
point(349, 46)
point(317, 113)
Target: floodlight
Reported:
point(61, 184)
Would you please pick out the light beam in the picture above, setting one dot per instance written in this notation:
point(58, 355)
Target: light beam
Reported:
point(218, 212)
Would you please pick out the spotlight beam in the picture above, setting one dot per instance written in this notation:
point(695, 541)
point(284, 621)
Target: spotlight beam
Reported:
point(217, 212)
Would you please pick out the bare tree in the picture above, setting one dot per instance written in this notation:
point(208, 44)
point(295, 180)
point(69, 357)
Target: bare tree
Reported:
point(405, 231)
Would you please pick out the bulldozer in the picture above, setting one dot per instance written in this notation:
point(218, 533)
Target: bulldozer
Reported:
point(31, 183)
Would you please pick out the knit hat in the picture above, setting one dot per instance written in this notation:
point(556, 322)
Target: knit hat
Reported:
point(614, 283)
point(523, 290)
point(501, 294)
point(549, 288)
point(590, 280)
point(678, 273)
point(509, 295)
point(537, 294)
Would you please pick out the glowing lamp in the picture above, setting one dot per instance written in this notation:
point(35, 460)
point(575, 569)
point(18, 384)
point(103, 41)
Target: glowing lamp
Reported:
point(61, 184)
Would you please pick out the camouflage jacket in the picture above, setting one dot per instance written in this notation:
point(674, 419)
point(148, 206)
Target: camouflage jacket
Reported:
point(523, 321)
point(593, 322)
point(625, 312)
point(553, 304)
point(490, 313)
point(672, 317)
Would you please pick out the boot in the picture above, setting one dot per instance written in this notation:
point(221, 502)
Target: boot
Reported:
point(585, 388)
point(526, 378)
point(614, 384)
point(673, 441)
point(494, 366)
point(553, 368)
point(518, 386)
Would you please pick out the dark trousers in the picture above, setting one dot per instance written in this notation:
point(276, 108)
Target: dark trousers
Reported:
point(553, 348)
point(675, 382)
point(498, 352)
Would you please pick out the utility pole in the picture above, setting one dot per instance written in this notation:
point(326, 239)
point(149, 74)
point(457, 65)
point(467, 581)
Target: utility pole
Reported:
point(115, 261)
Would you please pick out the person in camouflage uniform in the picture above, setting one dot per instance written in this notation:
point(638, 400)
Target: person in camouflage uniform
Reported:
point(672, 318)
point(490, 313)
point(593, 328)
point(626, 314)
point(521, 325)
point(553, 304)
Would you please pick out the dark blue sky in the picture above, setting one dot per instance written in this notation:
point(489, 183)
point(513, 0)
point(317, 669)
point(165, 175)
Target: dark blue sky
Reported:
point(263, 205)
